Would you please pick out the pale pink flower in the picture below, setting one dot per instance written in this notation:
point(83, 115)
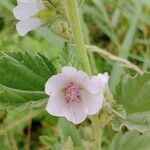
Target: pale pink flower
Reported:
point(74, 95)
point(25, 12)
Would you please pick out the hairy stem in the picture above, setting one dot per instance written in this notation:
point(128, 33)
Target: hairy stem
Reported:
point(98, 131)
point(71, 8)
point(106, 54)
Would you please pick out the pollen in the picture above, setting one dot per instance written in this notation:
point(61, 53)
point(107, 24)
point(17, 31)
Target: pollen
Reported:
point(72, 93)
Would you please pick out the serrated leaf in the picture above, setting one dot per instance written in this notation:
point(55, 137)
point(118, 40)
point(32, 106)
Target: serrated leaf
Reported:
point(22, 79)
point(134, 93)
point(130, 140)
point(68, 56)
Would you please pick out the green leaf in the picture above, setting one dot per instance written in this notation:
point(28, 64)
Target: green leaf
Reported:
point(119, 111)
point(68, 56)
point(48, 141)
point(134, 93)
point(22, 79)
point(67, 130)
point(130, 140)
point(68, 144)
point(81, 2)
point(139, 121)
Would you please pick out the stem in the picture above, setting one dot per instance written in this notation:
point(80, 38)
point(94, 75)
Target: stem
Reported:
point(98, 131)
point(104, 53)
point(72, 12)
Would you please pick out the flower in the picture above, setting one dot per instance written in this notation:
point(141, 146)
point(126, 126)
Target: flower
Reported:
point(74, 95)
point(31, 14)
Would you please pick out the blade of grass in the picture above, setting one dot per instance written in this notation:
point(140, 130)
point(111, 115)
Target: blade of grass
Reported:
point(125, 47)
point(99, 20)
point(116, 15)
point(101, 7)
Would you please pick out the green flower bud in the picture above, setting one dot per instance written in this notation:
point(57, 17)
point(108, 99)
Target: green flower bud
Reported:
point(46, 14)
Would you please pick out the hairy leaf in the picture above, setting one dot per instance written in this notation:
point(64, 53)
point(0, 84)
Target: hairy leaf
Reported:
point(139, 121)
point(68, 130)
point(119, 111)
point(130, 140)
point(134, 93)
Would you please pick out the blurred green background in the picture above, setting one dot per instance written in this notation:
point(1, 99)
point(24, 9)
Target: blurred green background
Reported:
point(121, 27)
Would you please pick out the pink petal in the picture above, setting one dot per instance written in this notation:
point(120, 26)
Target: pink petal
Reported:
point(56, 83)
point(76, 112)
point(92, 102)
point(101, 80)
point(26, 10)
point(24, 27)
point(56, 105)
point(68, 70)
point(27, 1)
point(80, 78)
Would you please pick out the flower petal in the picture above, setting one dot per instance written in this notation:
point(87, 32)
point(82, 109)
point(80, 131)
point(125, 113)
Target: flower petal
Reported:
point(80, 78)
point(56, 105)
point(27, 1)
point(25, 26)
point(26, 10)
point(101, 80)
point(76, 112)
point(68, 70)
point(56, 83)
point(92, 102)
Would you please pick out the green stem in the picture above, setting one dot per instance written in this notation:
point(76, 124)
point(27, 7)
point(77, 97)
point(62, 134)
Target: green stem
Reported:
point(72, 11)
point(98, 131)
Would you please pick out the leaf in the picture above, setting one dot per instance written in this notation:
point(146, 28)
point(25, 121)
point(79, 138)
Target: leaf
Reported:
point(48, 141)
point(134, 93)
point(130, 140)
point(81, 2)
point(119, 111)
point(22, 79)
point(69, 130)
point(68, 145)
point(68, 56)
point(139, 121)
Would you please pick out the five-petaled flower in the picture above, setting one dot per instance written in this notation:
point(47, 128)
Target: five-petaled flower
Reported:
point(31, 14)
point(74, 95)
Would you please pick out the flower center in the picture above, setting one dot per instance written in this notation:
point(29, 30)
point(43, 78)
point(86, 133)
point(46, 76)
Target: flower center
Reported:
point(72, 93)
